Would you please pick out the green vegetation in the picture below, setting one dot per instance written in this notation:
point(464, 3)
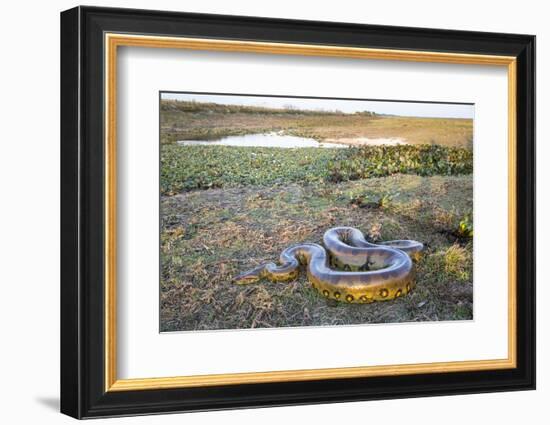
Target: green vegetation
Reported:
point(202, 167)
point(466, 226)
point(379, 161)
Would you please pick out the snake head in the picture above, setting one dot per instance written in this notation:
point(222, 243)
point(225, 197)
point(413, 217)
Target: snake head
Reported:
point(251, 276)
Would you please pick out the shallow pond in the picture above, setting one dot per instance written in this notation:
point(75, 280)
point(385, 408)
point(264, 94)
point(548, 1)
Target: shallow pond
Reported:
point(270, 140)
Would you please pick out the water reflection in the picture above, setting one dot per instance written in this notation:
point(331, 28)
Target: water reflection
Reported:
point(272, 140)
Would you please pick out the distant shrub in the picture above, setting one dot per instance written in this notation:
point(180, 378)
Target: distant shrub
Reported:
point(195, 107)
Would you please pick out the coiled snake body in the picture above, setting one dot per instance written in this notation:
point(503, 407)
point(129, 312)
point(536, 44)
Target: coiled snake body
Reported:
point(372, 272)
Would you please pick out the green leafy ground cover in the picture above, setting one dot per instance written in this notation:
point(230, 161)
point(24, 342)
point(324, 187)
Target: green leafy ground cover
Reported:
point(185, 168)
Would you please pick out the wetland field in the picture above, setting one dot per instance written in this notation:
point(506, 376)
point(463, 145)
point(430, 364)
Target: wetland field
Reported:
point(240, 182)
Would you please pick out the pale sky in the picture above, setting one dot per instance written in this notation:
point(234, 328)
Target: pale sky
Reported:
point(409, 109)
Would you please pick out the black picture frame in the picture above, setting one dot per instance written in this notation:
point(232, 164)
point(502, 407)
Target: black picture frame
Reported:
point(83, 392)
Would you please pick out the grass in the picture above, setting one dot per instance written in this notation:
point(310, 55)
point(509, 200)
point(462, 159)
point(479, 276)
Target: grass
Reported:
point(209, 236)
point(203, 121)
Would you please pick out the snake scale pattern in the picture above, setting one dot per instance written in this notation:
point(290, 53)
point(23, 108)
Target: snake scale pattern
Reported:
point(371, 272)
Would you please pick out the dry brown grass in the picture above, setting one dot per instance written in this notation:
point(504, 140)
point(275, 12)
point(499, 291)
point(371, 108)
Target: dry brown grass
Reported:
point(177, 125)
point(208, 237)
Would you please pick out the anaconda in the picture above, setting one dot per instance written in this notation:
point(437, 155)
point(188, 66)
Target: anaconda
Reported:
point(373, 272)
point(346, 247)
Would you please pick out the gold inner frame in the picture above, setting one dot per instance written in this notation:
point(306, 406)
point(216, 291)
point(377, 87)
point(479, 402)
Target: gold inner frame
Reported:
point(113, 41)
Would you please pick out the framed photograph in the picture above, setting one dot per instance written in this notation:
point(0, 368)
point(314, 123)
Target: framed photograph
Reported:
point(261, 212)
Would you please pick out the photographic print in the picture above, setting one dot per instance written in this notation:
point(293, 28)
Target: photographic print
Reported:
point(293, 211)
